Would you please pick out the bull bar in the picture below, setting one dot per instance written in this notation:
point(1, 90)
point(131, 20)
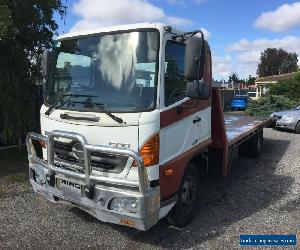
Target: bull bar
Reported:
point(97, 187)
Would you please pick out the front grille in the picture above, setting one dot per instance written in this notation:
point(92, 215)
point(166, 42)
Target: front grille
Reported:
point(64, 157)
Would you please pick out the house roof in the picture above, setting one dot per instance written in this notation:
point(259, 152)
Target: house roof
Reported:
point(275, 78)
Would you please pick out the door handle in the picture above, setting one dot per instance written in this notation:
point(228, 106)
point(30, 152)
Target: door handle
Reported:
point(198, 119)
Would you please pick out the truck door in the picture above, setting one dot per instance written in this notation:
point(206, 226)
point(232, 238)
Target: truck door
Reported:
point(182, 128)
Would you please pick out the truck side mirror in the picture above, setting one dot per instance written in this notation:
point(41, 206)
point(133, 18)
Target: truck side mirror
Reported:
point(202, 92)
point(45, 62)
point(193, 59)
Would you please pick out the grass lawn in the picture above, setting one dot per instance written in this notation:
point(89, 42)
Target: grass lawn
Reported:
point(13, 165)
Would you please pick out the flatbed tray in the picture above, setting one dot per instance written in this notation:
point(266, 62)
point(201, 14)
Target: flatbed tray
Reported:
point(239, 126)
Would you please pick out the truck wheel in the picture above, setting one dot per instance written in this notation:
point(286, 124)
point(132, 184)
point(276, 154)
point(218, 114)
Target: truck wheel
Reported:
point(188, 197)
point(297, 129)
point(254, 145)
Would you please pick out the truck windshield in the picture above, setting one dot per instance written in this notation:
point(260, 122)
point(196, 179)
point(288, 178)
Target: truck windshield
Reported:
point(118, 70)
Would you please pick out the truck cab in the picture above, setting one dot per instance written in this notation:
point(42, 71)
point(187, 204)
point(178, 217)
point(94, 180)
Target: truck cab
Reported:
point(127, 124)
point(117, 126)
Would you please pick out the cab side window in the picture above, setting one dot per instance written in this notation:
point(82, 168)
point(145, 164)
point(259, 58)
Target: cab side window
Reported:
point(175, 84)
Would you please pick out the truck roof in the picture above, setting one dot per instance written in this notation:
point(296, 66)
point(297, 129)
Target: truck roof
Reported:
point(159, 26)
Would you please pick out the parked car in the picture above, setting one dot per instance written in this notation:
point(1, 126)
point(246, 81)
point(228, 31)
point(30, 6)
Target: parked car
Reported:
point(287, 119)
point(252, 95)
point(239, 102)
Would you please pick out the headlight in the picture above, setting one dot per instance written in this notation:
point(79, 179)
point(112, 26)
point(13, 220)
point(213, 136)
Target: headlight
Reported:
point(124, 204)
point(287, 118)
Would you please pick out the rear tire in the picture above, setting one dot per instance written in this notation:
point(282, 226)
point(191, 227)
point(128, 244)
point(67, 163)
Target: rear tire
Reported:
point(188, 197)
point(255, 144)
point(297, 129)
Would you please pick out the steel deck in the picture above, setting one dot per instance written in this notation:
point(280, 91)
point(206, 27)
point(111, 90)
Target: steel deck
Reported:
point(238, 125)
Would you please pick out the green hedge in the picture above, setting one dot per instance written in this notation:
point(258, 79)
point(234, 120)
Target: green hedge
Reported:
point(269, 104)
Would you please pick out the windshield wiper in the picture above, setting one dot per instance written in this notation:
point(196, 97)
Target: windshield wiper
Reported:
point(53, 106)
point(116, 118)
point(89, 102)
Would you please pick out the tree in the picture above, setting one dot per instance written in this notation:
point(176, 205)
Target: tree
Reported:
point(250, 80)
point(289, 88)
point(5, 20)
point(233, 78)
point(26, 28)
point(276, 61)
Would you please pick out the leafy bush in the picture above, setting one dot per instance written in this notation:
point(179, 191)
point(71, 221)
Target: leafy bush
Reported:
point(289, 88)
point(269, 104)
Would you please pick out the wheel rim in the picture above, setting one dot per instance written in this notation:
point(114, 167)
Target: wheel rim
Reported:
point(188, 193)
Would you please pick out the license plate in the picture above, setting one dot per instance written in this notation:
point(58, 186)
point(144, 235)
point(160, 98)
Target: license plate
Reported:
point(68, 186)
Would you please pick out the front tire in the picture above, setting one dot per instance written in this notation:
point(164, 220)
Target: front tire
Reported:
point(297, 128)
point(188, 197)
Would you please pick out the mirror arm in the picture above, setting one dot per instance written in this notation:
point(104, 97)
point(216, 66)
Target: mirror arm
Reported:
point(187, 35)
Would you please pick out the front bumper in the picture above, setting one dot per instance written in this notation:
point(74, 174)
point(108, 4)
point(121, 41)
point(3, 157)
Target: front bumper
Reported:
point(285, 125)
point(90, 192)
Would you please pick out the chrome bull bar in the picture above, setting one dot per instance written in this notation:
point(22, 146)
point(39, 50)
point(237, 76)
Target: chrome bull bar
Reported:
point(142, 184)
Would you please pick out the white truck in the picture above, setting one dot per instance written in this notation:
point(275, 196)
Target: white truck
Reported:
point(131, 121)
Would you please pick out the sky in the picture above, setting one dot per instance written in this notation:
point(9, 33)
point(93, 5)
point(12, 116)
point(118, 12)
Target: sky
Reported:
point(237, 31)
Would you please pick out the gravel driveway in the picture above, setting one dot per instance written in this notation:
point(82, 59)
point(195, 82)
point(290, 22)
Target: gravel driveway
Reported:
point(260, 196)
